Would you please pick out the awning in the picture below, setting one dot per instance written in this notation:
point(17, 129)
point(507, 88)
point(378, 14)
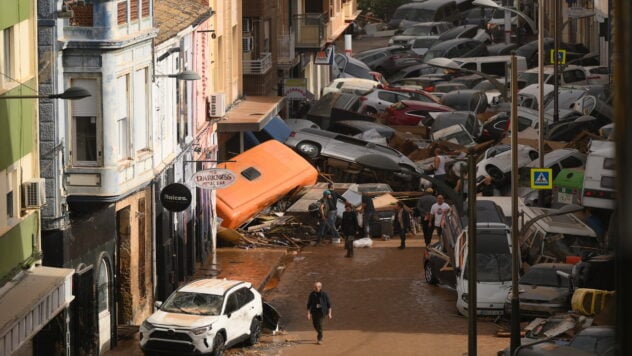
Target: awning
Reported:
point(251, 114)
point(31, 303)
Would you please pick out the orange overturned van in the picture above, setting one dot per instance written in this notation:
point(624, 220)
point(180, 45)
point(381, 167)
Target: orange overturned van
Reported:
point(265, 173)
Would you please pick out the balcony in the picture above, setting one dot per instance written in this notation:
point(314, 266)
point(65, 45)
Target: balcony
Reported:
point(258, 66)
point(312, 30)
point(286, 56)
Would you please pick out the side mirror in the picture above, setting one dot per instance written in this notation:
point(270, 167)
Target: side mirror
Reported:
point(157, 304)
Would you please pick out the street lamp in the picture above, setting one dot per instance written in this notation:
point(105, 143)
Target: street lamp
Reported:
point(184, 75)
point(72, 93)
point(494, 5)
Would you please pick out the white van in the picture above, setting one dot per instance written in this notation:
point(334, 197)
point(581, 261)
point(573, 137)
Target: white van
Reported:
point(599, 176)
point(493, 259)
point(492, 65)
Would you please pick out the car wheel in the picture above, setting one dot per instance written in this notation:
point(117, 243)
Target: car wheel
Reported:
point(218, 345)
point(533, 155)
point(371, 111)
point(430, 277)
point(308, 149)
point(496, 174)
point(255, 331)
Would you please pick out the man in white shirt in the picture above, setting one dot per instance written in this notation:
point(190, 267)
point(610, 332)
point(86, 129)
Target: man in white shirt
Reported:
point(438, 212)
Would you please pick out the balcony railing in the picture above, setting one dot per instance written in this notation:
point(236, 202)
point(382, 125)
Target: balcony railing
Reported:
point(258, 66)
point(311, 30)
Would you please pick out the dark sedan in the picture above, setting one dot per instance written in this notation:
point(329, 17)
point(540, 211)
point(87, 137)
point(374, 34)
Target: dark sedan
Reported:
point(458, 47)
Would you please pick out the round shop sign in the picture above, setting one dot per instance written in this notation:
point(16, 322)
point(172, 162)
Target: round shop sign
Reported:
point(175, 197)
point(216, 178)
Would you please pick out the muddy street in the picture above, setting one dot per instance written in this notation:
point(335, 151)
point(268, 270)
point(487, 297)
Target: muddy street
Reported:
point(381, 306)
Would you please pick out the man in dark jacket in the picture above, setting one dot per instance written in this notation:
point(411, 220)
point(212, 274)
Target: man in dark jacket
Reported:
point(401, 223)
point(318, 305)
point(424, 204)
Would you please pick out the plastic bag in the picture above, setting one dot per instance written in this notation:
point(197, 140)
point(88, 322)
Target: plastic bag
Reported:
point(363, 242)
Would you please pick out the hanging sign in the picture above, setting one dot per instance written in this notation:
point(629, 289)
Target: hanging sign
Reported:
point(215, 178)
point(175, 197)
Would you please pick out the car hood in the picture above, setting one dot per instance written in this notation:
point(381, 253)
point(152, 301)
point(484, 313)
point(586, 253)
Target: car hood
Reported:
point(530, 293)
point(182, 320)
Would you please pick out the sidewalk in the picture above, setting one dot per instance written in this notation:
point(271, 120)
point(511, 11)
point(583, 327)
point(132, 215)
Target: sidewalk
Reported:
point(255, 265)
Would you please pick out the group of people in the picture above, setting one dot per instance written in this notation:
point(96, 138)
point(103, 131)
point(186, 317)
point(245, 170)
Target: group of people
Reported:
point(431, 210)
point(349, 226)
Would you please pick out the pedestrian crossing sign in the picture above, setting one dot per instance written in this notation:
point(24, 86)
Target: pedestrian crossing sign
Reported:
point(541, 178)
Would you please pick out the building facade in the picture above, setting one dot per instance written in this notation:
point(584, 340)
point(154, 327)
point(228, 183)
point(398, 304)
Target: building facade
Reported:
point(32, 297)
point(98, 161)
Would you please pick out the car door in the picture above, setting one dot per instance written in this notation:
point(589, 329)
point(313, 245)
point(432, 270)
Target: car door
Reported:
point(234, 327)
point(385, 98)
point(247, 309)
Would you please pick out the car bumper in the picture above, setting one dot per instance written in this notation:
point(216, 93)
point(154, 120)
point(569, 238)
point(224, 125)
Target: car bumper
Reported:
point(538, 310)
point(181, 342)
point(493, 309)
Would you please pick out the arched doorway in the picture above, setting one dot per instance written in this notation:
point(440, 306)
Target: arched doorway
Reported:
point(104, 283)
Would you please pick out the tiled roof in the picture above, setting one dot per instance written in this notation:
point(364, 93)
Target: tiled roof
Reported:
point(172, 16)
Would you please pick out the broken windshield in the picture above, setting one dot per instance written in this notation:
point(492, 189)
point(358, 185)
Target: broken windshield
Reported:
point(193, 303)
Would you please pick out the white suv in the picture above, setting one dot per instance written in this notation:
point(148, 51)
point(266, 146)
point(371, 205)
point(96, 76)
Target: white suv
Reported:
point(204, 317)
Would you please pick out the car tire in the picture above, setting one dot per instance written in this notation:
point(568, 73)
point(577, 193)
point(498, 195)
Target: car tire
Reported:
point(308, 149)
point(255, 332)
point(496, 174)
point(430, 277)
point(218, 345)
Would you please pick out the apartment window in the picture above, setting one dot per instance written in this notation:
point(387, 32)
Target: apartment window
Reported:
point(133, 9)
point(121, 12)
point(141, 109)
point(122, 120)
point(10, 205)
point(144, 8)
point(6, 57)
point(86, 150)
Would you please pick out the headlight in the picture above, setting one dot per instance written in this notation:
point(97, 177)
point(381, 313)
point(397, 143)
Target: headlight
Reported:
point(147, 325)
point(199, 331)
point(465, 297)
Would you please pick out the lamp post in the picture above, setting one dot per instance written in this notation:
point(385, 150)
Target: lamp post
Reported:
point(72, 93)
point(184, 75)
point(494, 5)
point(515, 241)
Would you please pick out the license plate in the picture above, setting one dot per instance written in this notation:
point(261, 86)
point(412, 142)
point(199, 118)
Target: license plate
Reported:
point(490, 311)
point(565, 198)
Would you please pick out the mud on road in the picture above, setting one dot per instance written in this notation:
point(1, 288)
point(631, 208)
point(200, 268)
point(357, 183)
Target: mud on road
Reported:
point(381, 306)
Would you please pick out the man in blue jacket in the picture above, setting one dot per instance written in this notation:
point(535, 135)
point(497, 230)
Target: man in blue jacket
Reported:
point(318, 305)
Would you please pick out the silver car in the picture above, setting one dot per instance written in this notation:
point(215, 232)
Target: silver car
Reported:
point(312, 143)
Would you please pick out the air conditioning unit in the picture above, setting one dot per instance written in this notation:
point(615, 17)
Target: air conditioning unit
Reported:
point(33, 194)
point(216, 105)
point(246, 26)
point(247, 43)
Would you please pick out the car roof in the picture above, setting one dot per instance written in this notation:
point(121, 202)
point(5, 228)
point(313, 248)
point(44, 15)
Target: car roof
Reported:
point(452, 42)
point(548, 69)
point(434, 23)
point(211, 286)
point(559, 224)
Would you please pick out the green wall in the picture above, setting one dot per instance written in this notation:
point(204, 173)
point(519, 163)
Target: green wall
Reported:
point(17, 244)
point(14, 11)
point(17, 125)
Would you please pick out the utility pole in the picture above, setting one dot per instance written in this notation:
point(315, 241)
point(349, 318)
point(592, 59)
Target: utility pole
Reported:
point(472, 304)
point(556, 49)
point(515, 242)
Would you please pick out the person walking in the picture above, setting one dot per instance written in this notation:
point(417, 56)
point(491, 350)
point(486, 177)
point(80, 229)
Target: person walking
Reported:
point(424, 204)
point(333, 211)
point(401, 223)
point(368, 210)
point(327, 221)
point(318, 305)
point(438, 212)
point(349, 227)
point(439, 165)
